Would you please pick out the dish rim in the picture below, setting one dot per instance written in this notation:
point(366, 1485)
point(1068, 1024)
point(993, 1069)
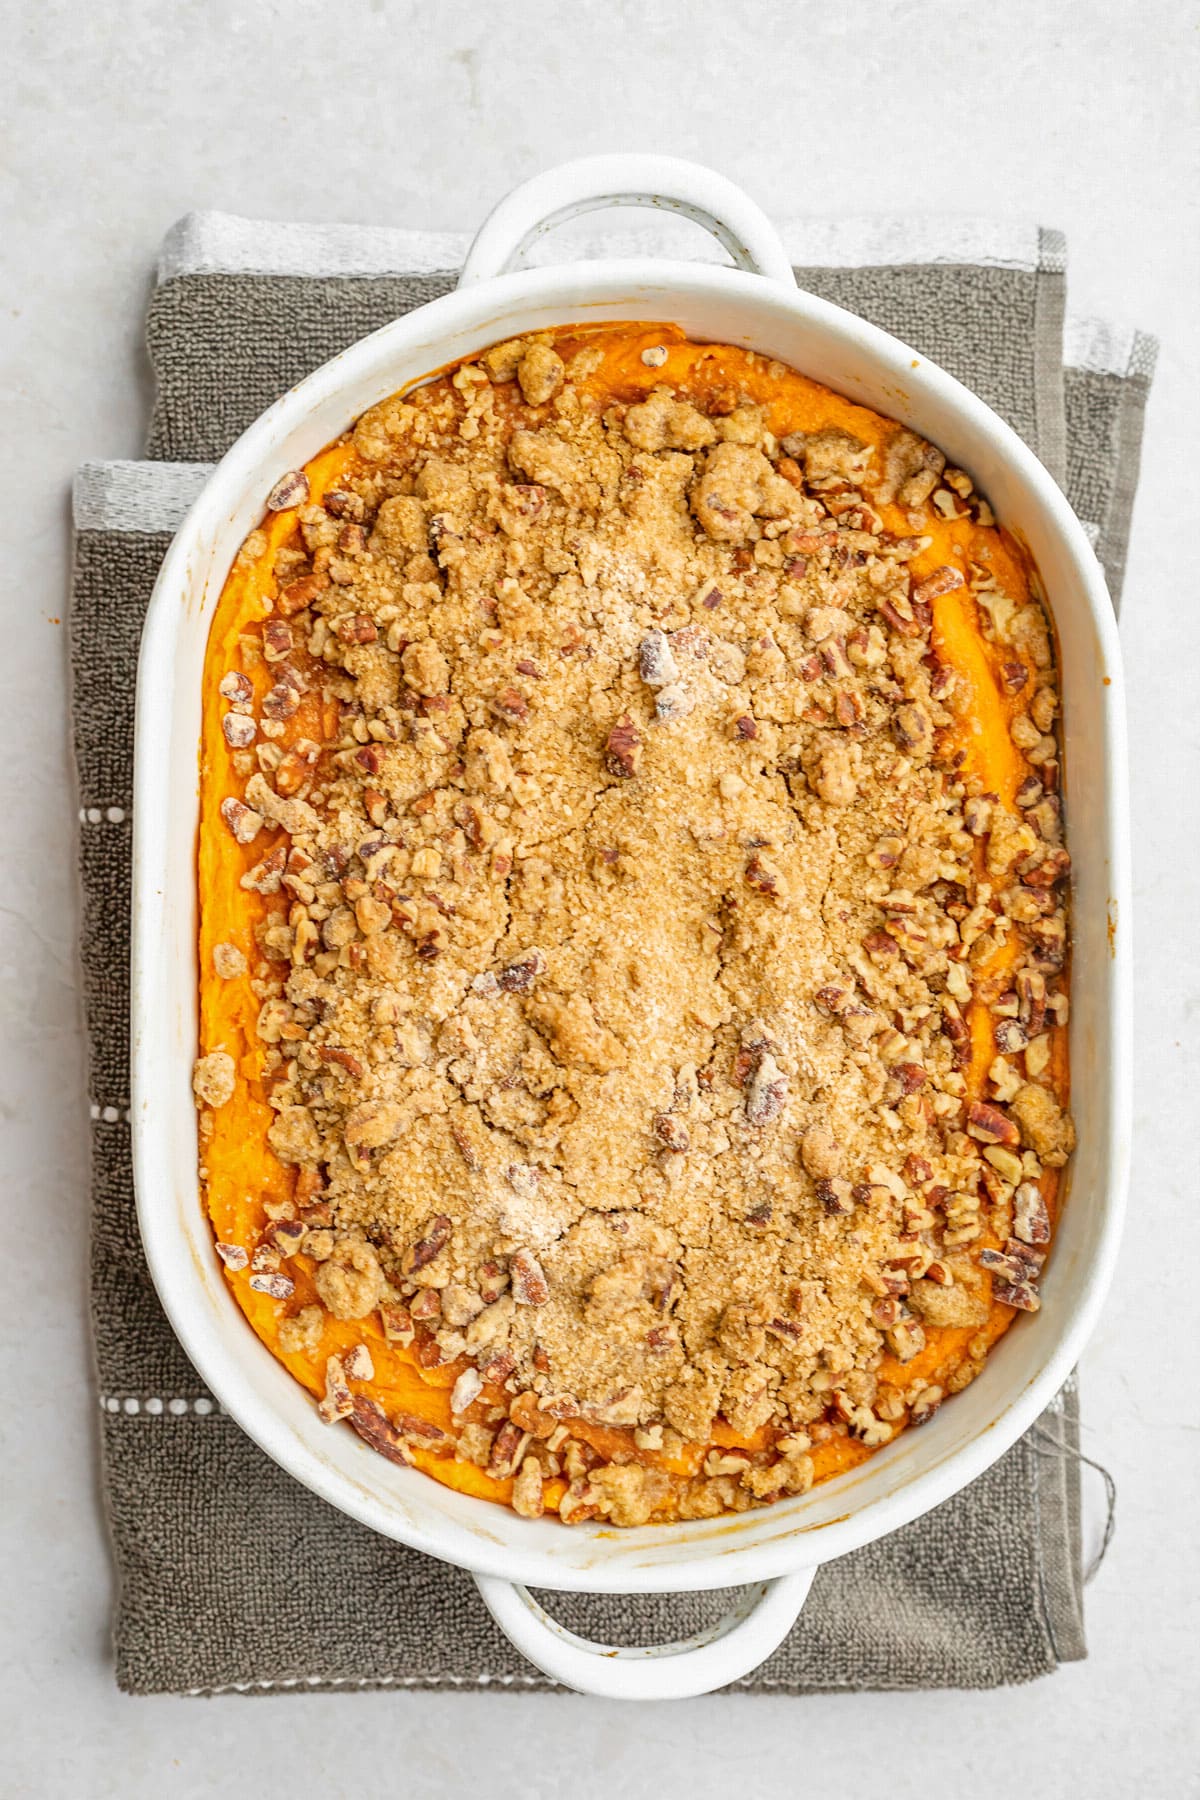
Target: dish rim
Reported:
point(249, 468)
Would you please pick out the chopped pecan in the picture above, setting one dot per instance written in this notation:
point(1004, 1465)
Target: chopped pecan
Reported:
point(940, 581)
point(1019, 1294)
point(519, 975)
point(925, 1405)
point(281, 702)
point(372, 1423)
point(527, 1492)
point(498, 1367)
point(277, 640)
point(672, 1132)
point(397, 1323)
point(290, 490)
point(623, 749)
point(906, 1339)
point(466, 1390)
point(244, 823)
point(510, 703)
point(356, 628)
point(344, 505)
point(279, 1287)
point(656, 661)
point(294, 596)
point(991, 1126)
point(913, 728)
point(426, 1249)
point(766, 1091)
point(508, 1449)
point(239, 730)
point(1031, 1219)
point(529, 1284)
point(762, 876)
point(835, 1196)
point(1010, 1032)
point(338, 1402)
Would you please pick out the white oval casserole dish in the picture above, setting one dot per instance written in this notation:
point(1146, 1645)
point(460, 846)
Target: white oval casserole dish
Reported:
point(756, 305)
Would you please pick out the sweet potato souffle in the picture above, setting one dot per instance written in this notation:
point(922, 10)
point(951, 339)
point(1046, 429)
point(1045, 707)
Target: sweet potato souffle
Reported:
point(633, 949)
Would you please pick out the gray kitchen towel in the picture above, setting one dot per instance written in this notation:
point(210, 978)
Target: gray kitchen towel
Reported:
point(220, 1556)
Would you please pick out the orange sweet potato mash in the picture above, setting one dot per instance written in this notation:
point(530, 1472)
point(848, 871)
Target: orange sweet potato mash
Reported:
point(248, 1188)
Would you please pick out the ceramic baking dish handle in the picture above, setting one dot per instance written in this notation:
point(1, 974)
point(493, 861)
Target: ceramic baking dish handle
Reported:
point(738, 1642)
point(666, 182)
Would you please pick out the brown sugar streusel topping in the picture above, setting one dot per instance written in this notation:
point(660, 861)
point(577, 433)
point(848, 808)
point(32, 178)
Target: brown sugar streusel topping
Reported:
point(622, 937)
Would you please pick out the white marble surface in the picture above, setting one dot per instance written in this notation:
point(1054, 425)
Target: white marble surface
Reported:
point(117, 118)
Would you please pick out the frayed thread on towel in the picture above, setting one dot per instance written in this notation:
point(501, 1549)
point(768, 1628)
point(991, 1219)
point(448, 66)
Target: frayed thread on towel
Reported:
point(1048, 1442)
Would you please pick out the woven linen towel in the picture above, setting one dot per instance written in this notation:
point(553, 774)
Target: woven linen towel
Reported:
point(230, 1576)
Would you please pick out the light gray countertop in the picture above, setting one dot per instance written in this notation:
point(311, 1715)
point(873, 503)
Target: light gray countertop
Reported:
point(119, 117)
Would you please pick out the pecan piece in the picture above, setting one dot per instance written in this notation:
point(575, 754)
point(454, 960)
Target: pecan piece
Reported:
point(925, 1405)
point(508, 1449)
point(672, 1132)
point(1010, 1036)
point(942, 580)
point(243, 821)
point(239, 730)
point(294, 596)
point(519, 975)
point(1031, 1220)
point(526, 1411)
point(906, 1339)
point(358, 1363)
point(281, 702)
point(623, 748)
point(656, 661)
point(276, 640)
point(989, 1125)
point(420, 1431)
point(279, 1287)
point(498, 1368)
point(766, 1091)
point(397, 1324)
point(835, 1196)
point(529, 1284)
point(423, 1252)
point(344, 505)
point(820, 1152)
point(290, 490)
point(912, 728)
point(338, 1402)
point(372, 1423)
point(527, 1493)
point(511, 704)
point(466, 1390)
point(356, 628)
point(464, 1146)
point(1015, 1264)
point(762, 876)
point(1020, 1294)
